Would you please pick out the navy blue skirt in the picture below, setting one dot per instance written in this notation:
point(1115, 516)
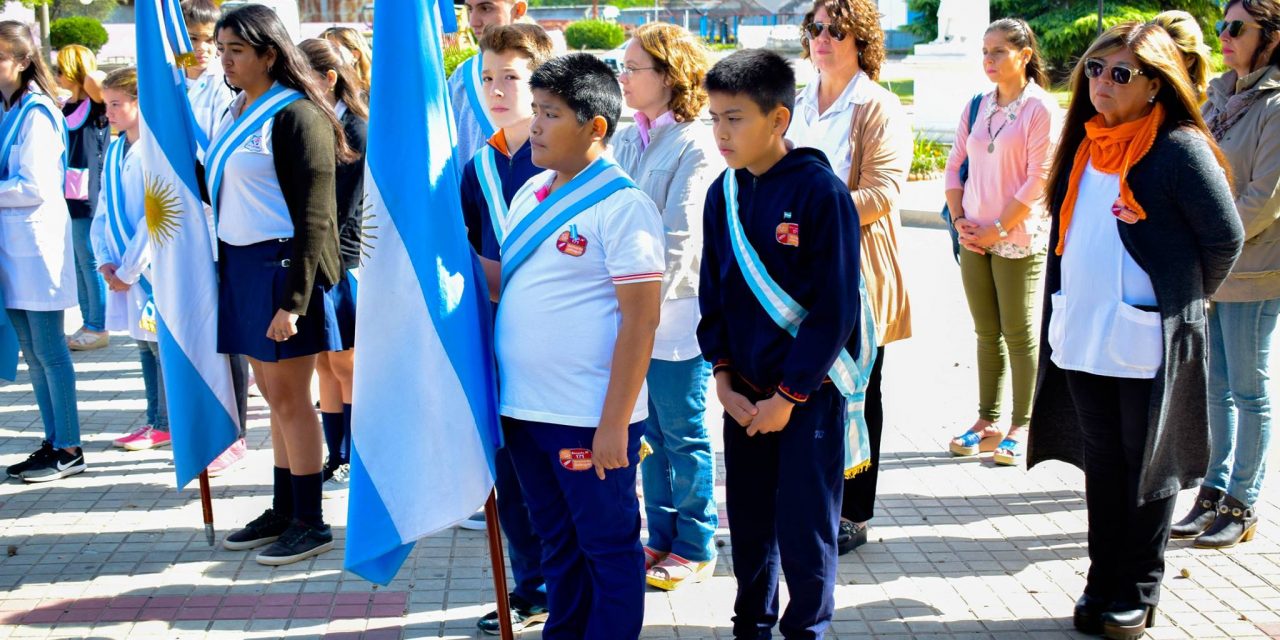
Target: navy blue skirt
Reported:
point(343, 298)
point(251, 282)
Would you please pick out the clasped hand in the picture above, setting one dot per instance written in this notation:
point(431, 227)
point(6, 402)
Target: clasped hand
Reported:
point(767, 416)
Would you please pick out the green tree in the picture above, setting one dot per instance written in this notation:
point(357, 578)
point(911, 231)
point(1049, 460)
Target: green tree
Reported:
point(77, 30)
point(98, 9)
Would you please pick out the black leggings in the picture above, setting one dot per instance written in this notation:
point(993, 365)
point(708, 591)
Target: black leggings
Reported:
point(860, 491)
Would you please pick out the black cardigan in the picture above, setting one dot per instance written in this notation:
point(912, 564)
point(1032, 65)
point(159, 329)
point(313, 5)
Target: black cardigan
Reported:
point(350, 190)
point(1187, 244)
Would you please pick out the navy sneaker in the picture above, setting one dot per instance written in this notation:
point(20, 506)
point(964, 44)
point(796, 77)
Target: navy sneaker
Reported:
point(264, 529)
point(299, 542)
point(58, 464)
point(524, 615)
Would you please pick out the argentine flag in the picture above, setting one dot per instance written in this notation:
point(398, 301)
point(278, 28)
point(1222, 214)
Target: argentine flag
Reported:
point(197, 379)
point(425, 422)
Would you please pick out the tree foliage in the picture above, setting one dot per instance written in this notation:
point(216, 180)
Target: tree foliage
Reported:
point(594, 34)
point(77, 30)
point(98, 9)
point(1067, 27)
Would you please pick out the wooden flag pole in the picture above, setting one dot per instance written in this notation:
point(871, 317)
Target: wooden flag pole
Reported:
point(499, 566)
point(206, 503)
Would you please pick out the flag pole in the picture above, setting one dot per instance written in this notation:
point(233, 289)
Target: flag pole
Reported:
point(206, 503)
point(499, 566)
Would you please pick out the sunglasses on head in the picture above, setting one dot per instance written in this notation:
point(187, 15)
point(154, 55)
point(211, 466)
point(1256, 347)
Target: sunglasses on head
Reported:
point(814, 29)
point(1094, 68)
point(1234, 28)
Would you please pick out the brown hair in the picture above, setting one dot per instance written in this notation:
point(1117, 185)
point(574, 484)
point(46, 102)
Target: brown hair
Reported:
point(355, 42)
point(1158, 57)
point(683, 62)
point(861, 20)
point(324, 57)
point(124, 80)
point(1020, 35)
point(1189, 39)
point(1267, 13)
point(17, 37)
point(529, 40)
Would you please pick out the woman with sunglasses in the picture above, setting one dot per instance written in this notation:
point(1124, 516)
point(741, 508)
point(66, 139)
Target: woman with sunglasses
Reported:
point(1004, 228)
point(1143, 232)
point(1243, 114)
point(864, 132)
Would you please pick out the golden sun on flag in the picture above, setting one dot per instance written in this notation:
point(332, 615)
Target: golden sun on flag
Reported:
point(162, 210)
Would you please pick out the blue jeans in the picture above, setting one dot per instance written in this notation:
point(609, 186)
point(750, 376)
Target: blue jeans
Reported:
point(53, 377)
point(90, 288)
point(1239, 403)
point(153, 381)
point(679, 476)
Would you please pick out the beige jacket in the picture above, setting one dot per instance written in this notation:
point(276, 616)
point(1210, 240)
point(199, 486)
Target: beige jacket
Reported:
point(1252, 147)
point(881, 145)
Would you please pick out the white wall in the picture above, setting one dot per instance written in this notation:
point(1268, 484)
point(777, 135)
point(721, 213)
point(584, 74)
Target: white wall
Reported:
point(894, 12)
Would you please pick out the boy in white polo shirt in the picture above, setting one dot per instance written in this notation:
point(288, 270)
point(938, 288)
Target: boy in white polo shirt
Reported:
point(580, 281)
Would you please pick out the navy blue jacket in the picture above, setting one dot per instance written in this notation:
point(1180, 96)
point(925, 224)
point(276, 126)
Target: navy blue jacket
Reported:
point(816, 261)
point(513, 172)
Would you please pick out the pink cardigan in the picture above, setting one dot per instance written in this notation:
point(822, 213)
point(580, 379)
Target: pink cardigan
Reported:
point(1018, 168)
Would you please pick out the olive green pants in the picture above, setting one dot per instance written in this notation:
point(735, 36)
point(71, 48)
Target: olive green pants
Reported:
point(1004, 297)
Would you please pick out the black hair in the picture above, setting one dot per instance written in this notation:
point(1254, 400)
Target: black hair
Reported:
point(586, 84)
point(1020, 34)
point(759, 74)
point(200, 12)
point(262, 29)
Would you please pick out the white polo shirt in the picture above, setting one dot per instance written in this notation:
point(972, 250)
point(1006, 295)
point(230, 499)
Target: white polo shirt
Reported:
point(251, 207)
point(209, 96)
point(558, 317)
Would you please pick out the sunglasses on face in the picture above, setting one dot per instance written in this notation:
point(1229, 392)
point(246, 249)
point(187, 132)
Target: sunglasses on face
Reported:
point(1120, 74)
point(1234, 28)
point(815, 29)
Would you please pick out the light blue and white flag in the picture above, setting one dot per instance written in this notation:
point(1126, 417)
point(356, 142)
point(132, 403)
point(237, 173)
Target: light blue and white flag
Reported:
point(425, 422)
point(197, 379)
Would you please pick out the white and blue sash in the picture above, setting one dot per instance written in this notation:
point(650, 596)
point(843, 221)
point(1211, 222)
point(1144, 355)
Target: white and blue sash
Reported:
point(598, 181)
point(486, 164)
point(849, 375)
point(11, 126)
point(474, 85)
point(252, 119)
point(120, 228)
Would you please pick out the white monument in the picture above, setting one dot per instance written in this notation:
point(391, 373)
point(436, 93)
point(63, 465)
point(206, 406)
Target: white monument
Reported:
point(948, 71)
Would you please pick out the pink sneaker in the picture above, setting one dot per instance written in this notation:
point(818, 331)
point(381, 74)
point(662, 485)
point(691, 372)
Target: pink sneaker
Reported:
point(149, 439)
point(123, 441)
point(229, 458)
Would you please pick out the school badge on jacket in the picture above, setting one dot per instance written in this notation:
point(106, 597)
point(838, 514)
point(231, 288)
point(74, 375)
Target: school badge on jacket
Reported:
point(788, 233)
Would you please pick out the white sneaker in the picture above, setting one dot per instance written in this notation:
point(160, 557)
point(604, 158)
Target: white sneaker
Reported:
point(339, 482)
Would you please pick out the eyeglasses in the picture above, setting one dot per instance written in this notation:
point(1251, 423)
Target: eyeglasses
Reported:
point(815, 29)
point(1234, 28)
point(626, 71)
point(1120, 74)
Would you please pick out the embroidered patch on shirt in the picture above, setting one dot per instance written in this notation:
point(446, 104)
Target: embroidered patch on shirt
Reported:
point(788, 233)
point(253, 144)
point(571, 242)
point(576, 459)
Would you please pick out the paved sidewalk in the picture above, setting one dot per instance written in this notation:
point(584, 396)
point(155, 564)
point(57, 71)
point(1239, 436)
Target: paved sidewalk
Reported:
point(960, 549)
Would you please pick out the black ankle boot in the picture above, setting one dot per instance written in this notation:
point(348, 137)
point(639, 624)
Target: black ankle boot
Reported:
point(1088, 614)
point(1128, 624)
point(1236, 523)
point(1201, 516)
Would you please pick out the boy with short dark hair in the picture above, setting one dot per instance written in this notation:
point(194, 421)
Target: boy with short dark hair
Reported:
point(780, 306)
point(206, 87)
point(579, 290)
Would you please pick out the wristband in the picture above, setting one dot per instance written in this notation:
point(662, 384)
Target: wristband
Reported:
point(1001, 230)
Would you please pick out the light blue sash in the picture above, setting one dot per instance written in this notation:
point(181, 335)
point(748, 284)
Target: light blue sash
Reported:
point(120, 227)
point(598, 181)
point(262, 109)
point(486, 164)
point(475, 93)
point(11, 126)
point(849, 375)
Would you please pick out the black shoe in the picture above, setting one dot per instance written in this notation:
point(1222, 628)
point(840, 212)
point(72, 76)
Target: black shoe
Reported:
point(1201, 515)
point(58, 464)
point(264, 529)
point(523, 616)
point(43, 453)
point(299, 542)
point(1236, 523)
point(1088, 614)
point(850, 537)
point(1128, 624)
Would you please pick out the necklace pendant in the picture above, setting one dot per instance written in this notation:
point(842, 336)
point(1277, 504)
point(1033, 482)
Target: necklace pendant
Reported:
point(991, 147)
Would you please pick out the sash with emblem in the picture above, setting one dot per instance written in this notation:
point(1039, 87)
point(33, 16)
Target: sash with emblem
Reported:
point(250, 120)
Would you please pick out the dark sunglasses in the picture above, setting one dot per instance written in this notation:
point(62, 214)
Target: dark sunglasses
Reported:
point(1233, 28)
point(1094, 68)
point(814, 29)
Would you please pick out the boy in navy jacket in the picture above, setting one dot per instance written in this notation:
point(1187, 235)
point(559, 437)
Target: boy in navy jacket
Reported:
point(790, 226)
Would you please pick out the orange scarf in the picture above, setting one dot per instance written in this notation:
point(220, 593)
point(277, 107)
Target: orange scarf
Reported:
point(1113, 150)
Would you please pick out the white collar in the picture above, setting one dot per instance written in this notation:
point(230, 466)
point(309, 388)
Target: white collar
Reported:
point(340, 109)
point(857, 92)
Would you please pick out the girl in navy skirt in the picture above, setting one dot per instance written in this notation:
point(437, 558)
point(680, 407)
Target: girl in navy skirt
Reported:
point(335, 70)
point(270, 178)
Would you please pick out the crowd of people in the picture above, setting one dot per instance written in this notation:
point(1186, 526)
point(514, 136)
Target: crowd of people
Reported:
point(695, 250)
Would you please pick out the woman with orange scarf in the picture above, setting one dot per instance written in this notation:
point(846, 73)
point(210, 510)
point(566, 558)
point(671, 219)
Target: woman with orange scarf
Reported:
point(1144, 230)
